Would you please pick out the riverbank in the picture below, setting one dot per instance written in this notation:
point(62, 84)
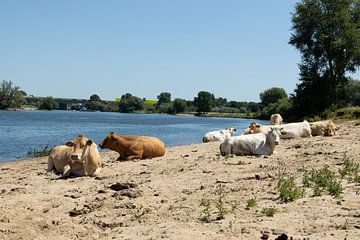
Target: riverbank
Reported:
point(160, 197)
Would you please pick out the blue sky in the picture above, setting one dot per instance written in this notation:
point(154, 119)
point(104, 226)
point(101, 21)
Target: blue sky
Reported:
point(234, 49)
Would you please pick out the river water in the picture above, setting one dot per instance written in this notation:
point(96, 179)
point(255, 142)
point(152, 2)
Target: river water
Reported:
point(21, 131)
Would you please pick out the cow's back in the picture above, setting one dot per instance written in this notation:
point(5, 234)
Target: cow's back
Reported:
point(152, 147)
point(298, 129)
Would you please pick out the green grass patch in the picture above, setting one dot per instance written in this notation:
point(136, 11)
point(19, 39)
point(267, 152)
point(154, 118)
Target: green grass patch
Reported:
point(288, 190)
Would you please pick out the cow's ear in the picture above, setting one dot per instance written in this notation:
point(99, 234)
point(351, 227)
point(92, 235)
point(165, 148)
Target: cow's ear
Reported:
point(69, 144)
point(89, 142)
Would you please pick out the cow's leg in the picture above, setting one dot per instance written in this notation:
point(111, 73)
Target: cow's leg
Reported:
point(50, 165)
point(132, 157)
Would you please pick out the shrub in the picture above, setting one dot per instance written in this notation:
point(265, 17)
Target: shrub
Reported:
point(289, 192)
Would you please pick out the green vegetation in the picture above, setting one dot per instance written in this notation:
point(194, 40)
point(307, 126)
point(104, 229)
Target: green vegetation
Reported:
point(48, 103)
point(206, 212)
point(327, 34)
point(269, 212)
point(251, 203)
point(10, 96)
point(350, 168)
point(289, 192)
point(39, 152)
point(130, 103)
point(204, 102)
point(321, 181)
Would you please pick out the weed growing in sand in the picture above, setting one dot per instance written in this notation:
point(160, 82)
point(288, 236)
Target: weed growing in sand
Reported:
point(138, 211)
point(269, 212)
point(227, 156)
point(323, 180)
point(220, 204)
point(281, 171)
point(206, 212)
point(39, 152)
point(289, 192)
point(350, 168)
point(250, 203)
point(235, 205)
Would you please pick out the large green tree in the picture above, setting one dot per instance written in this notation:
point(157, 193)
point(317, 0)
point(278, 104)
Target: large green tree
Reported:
point(10, 95)
point(179, 105)
point(204, 101)
point(130, 103)
point(272, 95)
point(164, 97)
point(327, 34)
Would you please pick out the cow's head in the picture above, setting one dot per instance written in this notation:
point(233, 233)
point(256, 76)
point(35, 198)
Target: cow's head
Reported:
point(274, 134)
point(108, 141)
point(330, 129)
point(231, 130)
point(77, 146)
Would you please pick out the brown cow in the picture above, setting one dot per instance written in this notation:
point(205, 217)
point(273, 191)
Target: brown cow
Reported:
point(323, 128)
point(256, 128)
point(59, 156)
point(134, 147)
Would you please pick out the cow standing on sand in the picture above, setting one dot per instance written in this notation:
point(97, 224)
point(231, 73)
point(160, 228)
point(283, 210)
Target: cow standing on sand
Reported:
point(252, 144)
point(276, 119)
point(219, 135)
point(134, 147)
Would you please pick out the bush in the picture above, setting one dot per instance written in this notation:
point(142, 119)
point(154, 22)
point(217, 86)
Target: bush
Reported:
point(289, 192)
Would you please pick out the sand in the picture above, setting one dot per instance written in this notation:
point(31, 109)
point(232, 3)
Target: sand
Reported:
point(160, 198)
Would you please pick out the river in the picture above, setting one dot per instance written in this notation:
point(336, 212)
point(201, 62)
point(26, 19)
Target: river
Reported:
point(21, 131)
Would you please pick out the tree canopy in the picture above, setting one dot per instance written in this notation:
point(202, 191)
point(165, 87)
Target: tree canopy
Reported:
point(48, 103)
point(272, 95)
point(130, 103)
point(204, 101)
point(10, 96)
point(327, 34)
point(95, 97)
point(164, 97)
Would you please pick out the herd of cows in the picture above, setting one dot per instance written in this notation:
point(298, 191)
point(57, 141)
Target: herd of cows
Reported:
point(80, 157)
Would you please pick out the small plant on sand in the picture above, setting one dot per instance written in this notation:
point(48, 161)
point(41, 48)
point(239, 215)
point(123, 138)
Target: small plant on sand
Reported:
point(321, 181)
point(206, 212)
point(220, 203)
point(138, 211)
point(350, 168)
point(269, 212)
point(39, 152)
point(289, 192)
point(250, 203)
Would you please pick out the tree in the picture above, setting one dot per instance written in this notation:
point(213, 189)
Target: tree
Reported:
point(130, 103)
point(48, 103)
point(95, 97)
point(220, 102)
point(179, 105)
point(327, 34)
point(353, 92)
point(164, 97)
point(272, 95)
point(204, 101)
point(10, 96)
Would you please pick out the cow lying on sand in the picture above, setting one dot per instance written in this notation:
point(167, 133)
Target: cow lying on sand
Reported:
point(256, 128)
point(323, 128)
point(219, 135)
point(79, 157)
point(276, 119)
point(296, 130)
point(84, 161)
point(134, 147)
point(253, 144)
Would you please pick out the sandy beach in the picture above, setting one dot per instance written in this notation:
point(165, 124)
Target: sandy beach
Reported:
point(160, 198)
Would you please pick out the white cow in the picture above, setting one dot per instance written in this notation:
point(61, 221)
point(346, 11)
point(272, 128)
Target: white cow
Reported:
point(252, 144)
point(295, 130)
point(219, 135)
point(276, 119)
